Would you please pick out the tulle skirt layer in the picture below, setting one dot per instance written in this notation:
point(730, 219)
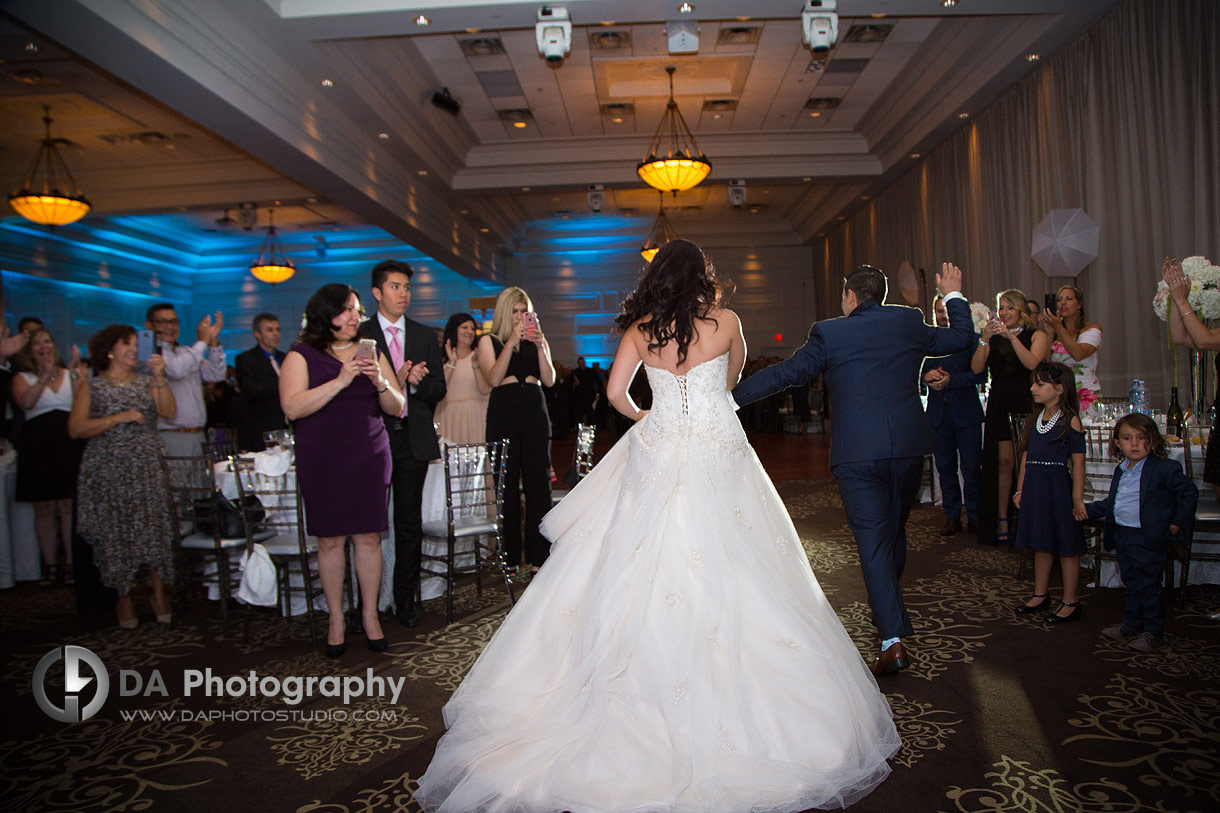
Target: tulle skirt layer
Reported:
point(675, 653)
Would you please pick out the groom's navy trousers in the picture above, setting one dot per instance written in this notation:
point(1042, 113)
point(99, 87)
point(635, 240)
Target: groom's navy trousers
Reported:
point(870, 362)
point(877, 496)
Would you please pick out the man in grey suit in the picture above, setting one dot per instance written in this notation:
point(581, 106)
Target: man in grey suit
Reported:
point(871, 360)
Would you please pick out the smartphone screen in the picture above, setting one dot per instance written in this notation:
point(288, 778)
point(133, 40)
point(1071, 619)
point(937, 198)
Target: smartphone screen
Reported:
point(1050, 303)
point(367, 349)
point(146, 344)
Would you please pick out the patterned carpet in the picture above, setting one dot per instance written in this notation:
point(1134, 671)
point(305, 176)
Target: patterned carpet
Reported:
point(999, 712)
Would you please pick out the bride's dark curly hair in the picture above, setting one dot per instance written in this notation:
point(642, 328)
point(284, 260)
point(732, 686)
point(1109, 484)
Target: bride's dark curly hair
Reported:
point(677, 287)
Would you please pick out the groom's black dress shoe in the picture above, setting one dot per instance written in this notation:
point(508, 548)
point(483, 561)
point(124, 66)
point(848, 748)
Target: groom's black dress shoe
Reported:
point(952, 526)
point(891, 660)
point(409, 615)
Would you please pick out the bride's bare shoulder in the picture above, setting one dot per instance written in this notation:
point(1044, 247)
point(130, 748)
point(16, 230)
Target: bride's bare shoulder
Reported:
point(723, 317)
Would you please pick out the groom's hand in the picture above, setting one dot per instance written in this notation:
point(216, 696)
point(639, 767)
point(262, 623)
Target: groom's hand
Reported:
point(949, 279)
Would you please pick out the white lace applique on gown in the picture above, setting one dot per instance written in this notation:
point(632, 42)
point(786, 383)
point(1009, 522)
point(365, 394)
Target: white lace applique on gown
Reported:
point(676, 652)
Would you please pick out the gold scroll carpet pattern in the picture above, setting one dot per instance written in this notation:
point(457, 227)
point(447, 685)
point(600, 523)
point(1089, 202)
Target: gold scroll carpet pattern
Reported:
point(999, 712)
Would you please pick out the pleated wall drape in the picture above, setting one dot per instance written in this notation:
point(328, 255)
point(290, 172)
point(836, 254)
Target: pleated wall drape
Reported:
point(1123, 123)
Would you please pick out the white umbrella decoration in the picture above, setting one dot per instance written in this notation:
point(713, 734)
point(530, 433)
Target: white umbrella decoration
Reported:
point(1065, 242)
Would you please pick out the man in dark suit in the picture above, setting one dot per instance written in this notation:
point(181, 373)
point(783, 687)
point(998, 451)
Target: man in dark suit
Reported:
point(416, 357)
point(258, 380)
point(956, 417)
point(870, 360)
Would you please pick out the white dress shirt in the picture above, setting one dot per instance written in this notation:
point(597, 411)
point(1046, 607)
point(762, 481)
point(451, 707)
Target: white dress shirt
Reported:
point(186, 368)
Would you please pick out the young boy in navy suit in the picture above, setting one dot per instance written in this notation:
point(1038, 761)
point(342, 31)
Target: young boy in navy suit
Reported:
point(1151, 503)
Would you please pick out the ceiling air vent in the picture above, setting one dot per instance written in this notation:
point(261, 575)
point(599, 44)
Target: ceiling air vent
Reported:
point(719, 105)
point(822, 103)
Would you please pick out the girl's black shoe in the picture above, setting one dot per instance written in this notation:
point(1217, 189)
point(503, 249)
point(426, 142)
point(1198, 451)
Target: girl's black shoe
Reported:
point(1077, 611)
point(1026, 609)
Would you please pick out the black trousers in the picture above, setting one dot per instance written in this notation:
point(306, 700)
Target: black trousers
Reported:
point(1142, 568)
point(518, 412)
point(407, 491)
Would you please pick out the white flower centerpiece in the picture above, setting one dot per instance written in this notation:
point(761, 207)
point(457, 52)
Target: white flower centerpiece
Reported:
point(1204, 294)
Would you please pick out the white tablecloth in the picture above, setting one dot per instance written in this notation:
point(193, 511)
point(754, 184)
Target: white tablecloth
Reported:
point(20, 560)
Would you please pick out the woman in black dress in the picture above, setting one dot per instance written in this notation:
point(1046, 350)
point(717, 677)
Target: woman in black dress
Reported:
point(1011, 345)
point(515, 360)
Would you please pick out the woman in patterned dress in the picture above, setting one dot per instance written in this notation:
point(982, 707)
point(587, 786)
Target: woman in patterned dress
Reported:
point(1075, 343)
point(123, 499)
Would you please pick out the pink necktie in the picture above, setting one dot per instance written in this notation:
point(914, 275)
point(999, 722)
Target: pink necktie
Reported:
point(395, 348)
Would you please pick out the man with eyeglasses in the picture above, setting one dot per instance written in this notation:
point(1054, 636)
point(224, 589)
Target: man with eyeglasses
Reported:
point(186, 368)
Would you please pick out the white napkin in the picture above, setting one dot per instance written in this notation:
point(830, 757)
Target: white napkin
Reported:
point(273, 463)
point(257, 577)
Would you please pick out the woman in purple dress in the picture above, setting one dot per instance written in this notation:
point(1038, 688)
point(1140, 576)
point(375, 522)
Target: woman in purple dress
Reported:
point(335, 400)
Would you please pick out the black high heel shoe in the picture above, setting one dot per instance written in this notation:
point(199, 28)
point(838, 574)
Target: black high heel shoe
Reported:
point(336, 650)
point(1077, 611)
point(376, 644)
point(1026, 609)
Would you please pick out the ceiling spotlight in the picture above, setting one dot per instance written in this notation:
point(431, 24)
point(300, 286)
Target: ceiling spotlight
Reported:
point(326, 83)
point(813, 114)
point(484, 230)
point(617, 119)
point(806, 179)
point(553, 33)
point(948, 3)
point(383, 136)
point(963, 115)
point(685, 8)
point(521, 125)
point(422, 20)
point(914, 155)
point(1032, 57)
point(31, 48)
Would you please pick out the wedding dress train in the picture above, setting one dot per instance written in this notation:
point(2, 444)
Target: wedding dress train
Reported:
point(676, 652)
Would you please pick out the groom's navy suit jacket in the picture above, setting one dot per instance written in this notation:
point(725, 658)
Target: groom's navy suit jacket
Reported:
point(870, 362)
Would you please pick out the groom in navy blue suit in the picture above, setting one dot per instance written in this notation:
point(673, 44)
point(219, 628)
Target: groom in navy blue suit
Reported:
point(871, 360)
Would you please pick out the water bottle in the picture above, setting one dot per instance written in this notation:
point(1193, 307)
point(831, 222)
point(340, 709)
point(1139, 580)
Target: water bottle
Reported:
point(1145, 402)
point(1133, 395)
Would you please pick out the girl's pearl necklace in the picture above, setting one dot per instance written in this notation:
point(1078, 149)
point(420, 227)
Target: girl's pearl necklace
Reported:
point(1044, 427)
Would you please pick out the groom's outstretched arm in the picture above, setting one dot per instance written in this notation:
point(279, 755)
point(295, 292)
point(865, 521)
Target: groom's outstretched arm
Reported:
point(801, 367)
point(959, 335)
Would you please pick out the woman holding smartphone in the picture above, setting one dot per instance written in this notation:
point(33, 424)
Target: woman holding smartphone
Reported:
point(1008, 349)
point(515, 361)
point(334, 390)
point(122, 491)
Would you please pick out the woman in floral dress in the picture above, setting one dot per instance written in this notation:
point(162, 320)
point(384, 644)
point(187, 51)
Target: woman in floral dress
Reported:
point(1076, 343)
point(123, 507)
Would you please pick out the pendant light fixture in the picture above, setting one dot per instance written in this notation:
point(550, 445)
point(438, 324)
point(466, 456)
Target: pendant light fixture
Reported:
point(58, 201)
point(674, 162)
point(272, 264)
point(662, 232)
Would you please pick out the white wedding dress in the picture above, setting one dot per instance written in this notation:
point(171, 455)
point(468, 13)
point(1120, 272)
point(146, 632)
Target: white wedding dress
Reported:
point(676, 652)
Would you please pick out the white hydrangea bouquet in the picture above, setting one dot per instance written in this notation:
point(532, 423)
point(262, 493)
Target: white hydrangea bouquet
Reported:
point(1204, 294)
point(979, 312)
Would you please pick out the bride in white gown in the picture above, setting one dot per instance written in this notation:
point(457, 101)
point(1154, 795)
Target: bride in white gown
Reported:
point(676, 652)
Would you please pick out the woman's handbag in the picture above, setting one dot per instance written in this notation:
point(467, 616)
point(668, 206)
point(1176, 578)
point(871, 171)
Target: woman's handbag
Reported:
point(227, 514)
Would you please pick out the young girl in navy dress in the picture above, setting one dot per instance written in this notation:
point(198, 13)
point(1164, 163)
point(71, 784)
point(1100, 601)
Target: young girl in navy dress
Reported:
point(1151, 502)
point(1050, 489)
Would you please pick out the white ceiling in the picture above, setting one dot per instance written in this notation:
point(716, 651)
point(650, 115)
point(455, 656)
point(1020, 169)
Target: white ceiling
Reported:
point(179, 104)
